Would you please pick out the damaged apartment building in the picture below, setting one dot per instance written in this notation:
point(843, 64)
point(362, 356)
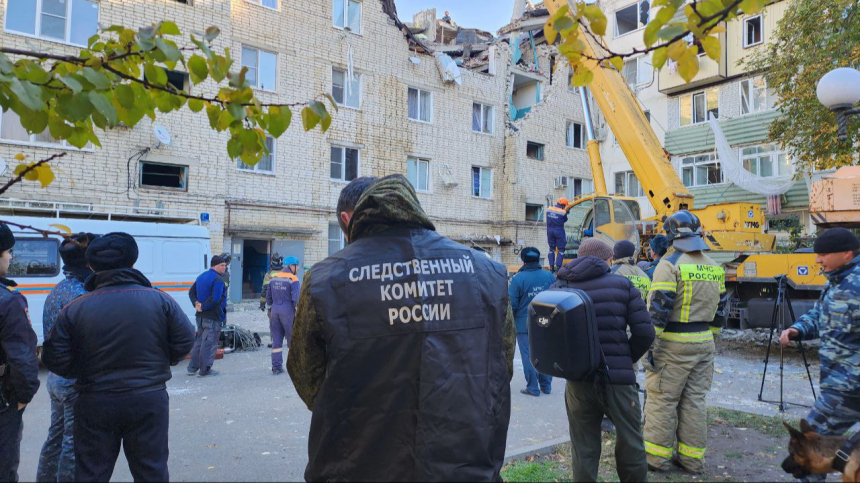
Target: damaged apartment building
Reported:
point(484, 126)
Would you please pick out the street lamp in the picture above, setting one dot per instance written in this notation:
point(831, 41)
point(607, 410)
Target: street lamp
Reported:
point(839, 91)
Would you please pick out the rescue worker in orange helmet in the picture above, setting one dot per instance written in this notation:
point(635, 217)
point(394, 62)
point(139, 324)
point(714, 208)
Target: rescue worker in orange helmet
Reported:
point(556, 217)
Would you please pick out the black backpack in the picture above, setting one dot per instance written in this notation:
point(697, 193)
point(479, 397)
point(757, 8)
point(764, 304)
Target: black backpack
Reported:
point(563, 336)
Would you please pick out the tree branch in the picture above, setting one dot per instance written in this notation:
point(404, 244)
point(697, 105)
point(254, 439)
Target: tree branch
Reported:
point(30, 168)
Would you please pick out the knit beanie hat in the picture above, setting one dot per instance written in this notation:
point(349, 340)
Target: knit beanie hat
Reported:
point(112, 251)
point(659, 245)
point(7, 239)
point(593, 247)
point(530, 255)
point(217, 260)
point(624, 249)
point(836, 240)
point(73, 250)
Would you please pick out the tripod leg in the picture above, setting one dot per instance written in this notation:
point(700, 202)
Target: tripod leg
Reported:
point(769, 343)
point(802, 351)
point(781, 312)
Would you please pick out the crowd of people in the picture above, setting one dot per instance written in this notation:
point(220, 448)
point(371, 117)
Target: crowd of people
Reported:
point(402, 346)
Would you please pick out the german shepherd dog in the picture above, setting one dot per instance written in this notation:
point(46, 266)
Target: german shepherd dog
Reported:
point(811, 453)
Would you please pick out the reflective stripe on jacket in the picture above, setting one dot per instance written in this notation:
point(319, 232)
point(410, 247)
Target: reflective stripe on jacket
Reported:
point(635, 274)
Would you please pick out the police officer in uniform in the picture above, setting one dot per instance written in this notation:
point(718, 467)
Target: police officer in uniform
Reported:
point(276, 265)
point(687, 306)
point(556, 217)
point(19, 367)
point(282, 296)
point(624, 263)
point(403, 349)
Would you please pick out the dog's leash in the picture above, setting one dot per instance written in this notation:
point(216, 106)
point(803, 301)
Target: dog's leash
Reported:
point(844, 453)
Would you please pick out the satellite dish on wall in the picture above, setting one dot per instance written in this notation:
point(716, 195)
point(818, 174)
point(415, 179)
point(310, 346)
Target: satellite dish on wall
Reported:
point(161, 134)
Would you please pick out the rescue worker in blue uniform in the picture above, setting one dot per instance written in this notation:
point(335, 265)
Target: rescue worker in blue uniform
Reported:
point(658, 246)
point(19, 367)
point(834, 319)
point(282, 297)
point(556, 217)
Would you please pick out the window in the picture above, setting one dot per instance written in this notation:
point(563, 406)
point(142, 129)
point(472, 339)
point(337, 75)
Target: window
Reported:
point(637, 71)
point(262, 68)
point(344, 163)
point(346, 93)
point(574, 135)
point(753, 31)
point(35, 257)
point(175, 78)
point(336, 240)
point(755, 96)
point(698, 107)
point(482, 118)
point(578, 187)
point(534, 212)
point(632, 18)
point(418, 173)
point(347, 15)
point(534, 150)
point(766, 160)
point(11, 130)
point(69, 21)
point(420, 105)
point(701, 170)
point(157, 175)
point(626, 184)
point(482, 182)
point(266, 3)
point(266, 163)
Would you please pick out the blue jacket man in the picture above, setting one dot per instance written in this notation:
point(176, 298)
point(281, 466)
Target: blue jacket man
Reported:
point(834, 319)
point(282, 296)
point(57, 460)
point(556, 217)
point(526, 284)
point(659, 246)
point(209, 295)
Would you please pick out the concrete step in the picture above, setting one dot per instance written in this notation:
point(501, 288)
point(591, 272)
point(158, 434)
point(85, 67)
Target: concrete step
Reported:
point(243, 306)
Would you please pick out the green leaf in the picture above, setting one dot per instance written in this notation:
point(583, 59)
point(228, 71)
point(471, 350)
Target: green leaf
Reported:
point(582, 77)
point(213, 111)
point(196, 105)
point(155, 74)
point(658, 58)
point(198, 69)
point(97, 78)
point(309, 118)
point(236, 110)
point(234, 148)
point(6, 65)
point(124, 95)
point(650, 34)
point(251, 158)
point(671, 31)
point(58, 128)
point(677, 49)
point(753, 6)
point(249, 139)
point(279, 120)
point(168, 47)
point(92, 40)
point(224, 120)
point(72, 83)
point(30, 95)
point(74, 107)
point(688, 64)
point(79, 138)
point(104, 106)
point(211, 33)
point(562, 24)
point(167, 27)
point(147, 32)
point(35, 122)
point(596, 18)
point(712, 47)
point(218, 68)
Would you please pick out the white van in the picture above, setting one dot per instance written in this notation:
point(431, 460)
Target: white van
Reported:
point(171, 257)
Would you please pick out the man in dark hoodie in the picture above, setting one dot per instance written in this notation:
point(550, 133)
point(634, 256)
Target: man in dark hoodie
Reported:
point(618, 306)
point(119, 342)
point(57, 460)
point(403, 349)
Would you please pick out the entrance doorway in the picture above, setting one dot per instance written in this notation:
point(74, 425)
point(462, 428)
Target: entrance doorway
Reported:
point(255, 266)
point(251, 261)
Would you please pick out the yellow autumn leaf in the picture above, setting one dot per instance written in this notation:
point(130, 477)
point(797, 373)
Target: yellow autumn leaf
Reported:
point(617, 62)
point(62, 228)
point(44, 175)
point(659, 57)
point(20, 157)
point(712, 47)
point(688, 64)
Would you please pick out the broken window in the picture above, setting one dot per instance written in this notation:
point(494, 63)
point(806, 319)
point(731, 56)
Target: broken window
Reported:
point(632, 18)
point(534, 150)
point(753, 31)
point(533, 212)
point(418, 173)
point(163, 175)
point(482, 118)
point(701, 170)
point(262, 68)
point(420, 105)
point(175, 78)
point(344, 163)
point(347, 15)
point(345, 95)
point(574, 135)
point(482, 182)
point(266, 163)
point(755, 96)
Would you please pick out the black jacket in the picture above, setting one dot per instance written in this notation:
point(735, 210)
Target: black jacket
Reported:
point(121, 337)
point(617, 305)
point(17, 347)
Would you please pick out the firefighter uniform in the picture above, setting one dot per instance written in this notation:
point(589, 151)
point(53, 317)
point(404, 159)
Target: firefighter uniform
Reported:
point(635, 274)
point(687, 306)
point(556, 238)
point(277, 264)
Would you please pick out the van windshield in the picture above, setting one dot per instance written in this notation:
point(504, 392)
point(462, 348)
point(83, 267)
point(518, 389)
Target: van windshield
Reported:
point(35, 257)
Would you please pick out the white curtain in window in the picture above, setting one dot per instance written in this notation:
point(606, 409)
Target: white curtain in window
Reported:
point(735, 172)
point(11, 128)
point(476, 117)
point(413, 103)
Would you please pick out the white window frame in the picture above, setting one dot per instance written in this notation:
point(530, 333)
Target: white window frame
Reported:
point(638, 18)
point(626, 178)
point(569, 138)
point(761, 25)
point(343, 149)
point(60, 144)
point(346, 16)
point(418, 119)
point(262, 3)
point(341, 239)
point(769, 101)
point(641, 66)
point(358, 81)
point(418, 161)
point(709, 158)
point(481, 187)
point(256, 168)
point(484, 116)
point(38, 25)
point(692, 97)
point(256, 84)
point(585, 186)
point(773, 153)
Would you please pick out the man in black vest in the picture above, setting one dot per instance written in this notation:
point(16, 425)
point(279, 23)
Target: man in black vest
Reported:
point(403, 348)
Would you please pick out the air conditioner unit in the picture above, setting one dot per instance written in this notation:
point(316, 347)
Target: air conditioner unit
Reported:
point(448, 179)
point(562, 181)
